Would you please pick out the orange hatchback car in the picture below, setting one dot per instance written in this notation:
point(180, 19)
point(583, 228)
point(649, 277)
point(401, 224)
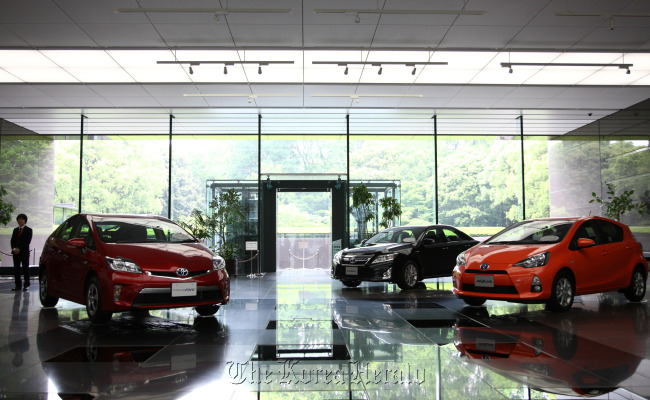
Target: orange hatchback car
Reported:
point(551, 261)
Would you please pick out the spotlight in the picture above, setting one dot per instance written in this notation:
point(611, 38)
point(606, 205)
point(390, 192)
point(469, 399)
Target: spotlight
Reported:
point(357, 99)
point(611, 24)
point(628, 71)
point(357, 19)
point(380, 71)
point(413, 72)
point(259, 70)
point(191, 70)
point(510, 71)
point(250, 99)
point(346, 71)
point(225, 70)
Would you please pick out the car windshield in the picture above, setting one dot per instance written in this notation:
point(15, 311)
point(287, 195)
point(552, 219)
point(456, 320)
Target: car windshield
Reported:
point(533, 232)
point(141, 230)
point(408, 234)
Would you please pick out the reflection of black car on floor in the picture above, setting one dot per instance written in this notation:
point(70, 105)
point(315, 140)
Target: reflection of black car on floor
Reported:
point(404, 255)
point(553, 359)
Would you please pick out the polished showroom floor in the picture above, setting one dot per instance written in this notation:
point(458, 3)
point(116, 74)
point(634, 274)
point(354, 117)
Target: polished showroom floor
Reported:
point(296, 334)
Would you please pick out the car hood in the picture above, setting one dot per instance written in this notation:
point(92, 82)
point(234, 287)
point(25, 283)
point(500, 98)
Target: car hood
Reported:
point(379, 248)
point(161, 256)
point(504, 253)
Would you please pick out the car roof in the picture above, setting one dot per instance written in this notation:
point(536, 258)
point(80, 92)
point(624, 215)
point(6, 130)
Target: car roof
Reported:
point(133, 216)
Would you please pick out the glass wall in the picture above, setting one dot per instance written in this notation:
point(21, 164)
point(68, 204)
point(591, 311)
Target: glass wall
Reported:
point(125, 166)
point(480, 184)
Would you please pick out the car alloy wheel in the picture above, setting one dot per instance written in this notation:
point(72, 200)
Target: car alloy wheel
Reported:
point(94, 303)
point(46, 300)
point(562, 294)
point(409, 276)
point(636, 291)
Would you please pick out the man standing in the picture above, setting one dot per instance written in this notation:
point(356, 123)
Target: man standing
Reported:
point(20, 240)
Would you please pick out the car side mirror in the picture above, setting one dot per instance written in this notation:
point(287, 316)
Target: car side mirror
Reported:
point(363, 241)
point(428, 241)
point(584, 242)
point(76, 243)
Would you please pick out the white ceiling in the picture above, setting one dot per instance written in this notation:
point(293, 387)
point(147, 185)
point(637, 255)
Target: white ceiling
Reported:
point(63, 58)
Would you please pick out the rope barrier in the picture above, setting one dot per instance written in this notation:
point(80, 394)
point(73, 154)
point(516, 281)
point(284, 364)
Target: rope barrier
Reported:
point(11, 254)
point(303, 259)
point(250, 259)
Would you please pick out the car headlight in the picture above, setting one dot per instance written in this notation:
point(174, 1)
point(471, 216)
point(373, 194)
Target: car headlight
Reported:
point(218, 263)
point(384, 258)
point(123, 265)
point(537, 260)
point(460, 259)
point(337, 257)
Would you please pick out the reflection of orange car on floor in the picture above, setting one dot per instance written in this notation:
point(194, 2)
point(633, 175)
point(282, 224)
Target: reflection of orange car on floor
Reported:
point(549, 359)
point(551, 261)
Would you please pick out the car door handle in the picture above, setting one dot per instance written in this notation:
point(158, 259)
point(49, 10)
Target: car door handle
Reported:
point(605, 253)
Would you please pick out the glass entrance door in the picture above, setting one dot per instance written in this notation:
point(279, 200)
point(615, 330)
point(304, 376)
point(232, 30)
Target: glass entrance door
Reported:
point(303, 230)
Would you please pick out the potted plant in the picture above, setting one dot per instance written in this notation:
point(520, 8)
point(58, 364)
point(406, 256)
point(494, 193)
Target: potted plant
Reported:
point(6, 209)
point(227, 210)
point(362, 206)
point(616, 206)
point(392, 209)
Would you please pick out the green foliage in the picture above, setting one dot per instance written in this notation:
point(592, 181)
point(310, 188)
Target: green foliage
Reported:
point(6, 208)
point(392, 209)
point(616, 206)
point(200, 225)
point(226, 210)
point(362, 205)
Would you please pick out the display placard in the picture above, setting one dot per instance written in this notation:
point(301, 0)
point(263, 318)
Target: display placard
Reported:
point(252, 246)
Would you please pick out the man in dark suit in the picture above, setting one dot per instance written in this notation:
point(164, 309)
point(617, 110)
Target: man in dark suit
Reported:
point(20, 240)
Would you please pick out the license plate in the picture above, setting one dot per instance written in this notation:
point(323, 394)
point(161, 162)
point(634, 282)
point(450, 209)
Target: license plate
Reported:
point(351, 270)
point(484, 280)
point(485, 345)
point(183, 289)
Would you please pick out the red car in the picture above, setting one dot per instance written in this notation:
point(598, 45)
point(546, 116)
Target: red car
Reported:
point(551, 261)
point(114, 263)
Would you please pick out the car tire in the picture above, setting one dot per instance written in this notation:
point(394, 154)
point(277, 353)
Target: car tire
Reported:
point(46, 299)
point(474, 301)
point(562, 293)
point(96, 314)
point(350, 283)
point(207, 311)
point(408, 276)
point(636, 291)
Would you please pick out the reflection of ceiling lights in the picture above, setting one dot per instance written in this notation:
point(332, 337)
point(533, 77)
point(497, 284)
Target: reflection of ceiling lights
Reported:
point(509, 65)
point(597, 14)
point(250, 96)
point(215, 11)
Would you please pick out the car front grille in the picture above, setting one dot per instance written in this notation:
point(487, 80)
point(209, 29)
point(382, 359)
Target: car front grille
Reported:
point(192, 274)
point(355, 259)
point(155, 296)
point(468, 287)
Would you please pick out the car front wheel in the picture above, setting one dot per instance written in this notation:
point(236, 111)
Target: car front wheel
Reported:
point(46, 299)
point(408, 276)
point(206, 311)
point(562, 293)
point(94, 303)
point(636, 291)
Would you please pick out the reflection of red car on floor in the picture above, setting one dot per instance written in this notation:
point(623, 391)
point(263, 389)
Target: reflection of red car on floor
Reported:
point(551, 261)
point(550, 359)
point(115, 263)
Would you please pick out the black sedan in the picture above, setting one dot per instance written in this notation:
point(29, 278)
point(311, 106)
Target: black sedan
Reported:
point(404, 255)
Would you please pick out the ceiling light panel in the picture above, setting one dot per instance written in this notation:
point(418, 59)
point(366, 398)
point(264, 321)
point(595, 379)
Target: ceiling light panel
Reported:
point(560, 75)
point(7, 77)
point(100, 75)
point(24, 59)
point(40, 75)
point(80, 58)
point(140, 58)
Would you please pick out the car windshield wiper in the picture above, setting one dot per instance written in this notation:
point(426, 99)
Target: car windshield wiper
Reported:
point(185, 241)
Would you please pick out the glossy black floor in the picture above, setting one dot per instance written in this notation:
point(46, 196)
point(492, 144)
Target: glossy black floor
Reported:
point(297, 334)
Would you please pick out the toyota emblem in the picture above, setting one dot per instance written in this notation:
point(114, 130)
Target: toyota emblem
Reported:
point(352, 260)
point(182, 272)
point(484, 267)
